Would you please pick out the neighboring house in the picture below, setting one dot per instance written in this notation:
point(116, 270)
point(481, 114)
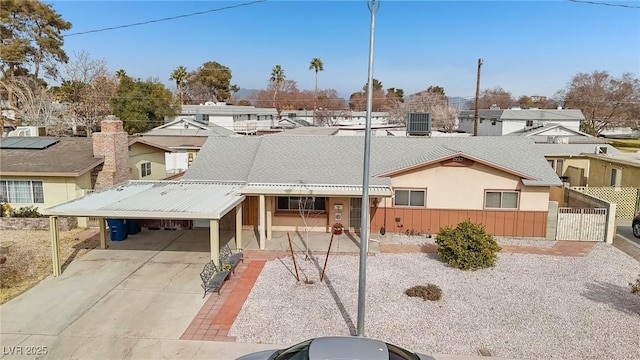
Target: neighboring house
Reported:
point(336, 117)
point(44, 171)
point(417, 183)
point(240, 119)
point(570, 160)
point(147, 160)
point(182, 140)
point(556, 133)
point(498, 122)
point(617, 169)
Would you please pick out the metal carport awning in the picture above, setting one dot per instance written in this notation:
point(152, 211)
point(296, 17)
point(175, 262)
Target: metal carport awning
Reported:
point(139, 199)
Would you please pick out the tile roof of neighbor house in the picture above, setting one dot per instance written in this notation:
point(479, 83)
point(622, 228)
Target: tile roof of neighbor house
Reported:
point(156, 200)
point(70, 156)
point(144, 141)
point(337, 160)
point(545, 128)
point(188, 127)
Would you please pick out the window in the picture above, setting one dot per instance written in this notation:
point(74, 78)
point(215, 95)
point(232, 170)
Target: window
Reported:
point(557, 165)
point(295, 203)
point(145, 169)
point(22, 191)
point(409, 197)
point(615, 177)
point(501, 200)
point(398, 353)
point(296, 352)
point(529, 123)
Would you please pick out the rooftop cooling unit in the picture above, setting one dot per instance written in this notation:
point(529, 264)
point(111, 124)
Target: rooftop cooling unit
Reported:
point(418, 124)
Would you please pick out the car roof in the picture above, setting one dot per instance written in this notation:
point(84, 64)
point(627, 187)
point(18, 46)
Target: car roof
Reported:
point(348, 347)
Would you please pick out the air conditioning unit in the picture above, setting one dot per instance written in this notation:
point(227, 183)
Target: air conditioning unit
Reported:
point(418, 124)
point(28, 131)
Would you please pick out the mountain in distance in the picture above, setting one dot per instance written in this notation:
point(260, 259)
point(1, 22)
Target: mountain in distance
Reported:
point(245, 93)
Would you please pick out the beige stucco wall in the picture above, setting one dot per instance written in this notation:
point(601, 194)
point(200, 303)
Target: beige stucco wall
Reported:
point(141, 153)
point(57, 189)
point(458, 187)
point(600, 173)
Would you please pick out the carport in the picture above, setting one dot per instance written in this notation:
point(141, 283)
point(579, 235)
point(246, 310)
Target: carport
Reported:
point(138, 199)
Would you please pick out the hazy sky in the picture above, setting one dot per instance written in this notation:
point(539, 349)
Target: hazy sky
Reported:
point(528, 47)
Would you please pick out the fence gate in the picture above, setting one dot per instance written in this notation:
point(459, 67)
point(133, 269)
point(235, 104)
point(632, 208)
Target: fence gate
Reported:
point(583, 224)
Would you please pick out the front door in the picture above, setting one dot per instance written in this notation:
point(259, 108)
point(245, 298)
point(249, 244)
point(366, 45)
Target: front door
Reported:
point(355, 213)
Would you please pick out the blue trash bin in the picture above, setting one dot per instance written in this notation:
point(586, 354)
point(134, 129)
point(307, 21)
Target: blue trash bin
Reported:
point(133, 227)
point(117, 229)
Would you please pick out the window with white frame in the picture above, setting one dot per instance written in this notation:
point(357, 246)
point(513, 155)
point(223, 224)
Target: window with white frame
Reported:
point(615, 177)
point(22, 191)
point(494, 199)
point(297, 203)
point(145, 169)
point(407, 197)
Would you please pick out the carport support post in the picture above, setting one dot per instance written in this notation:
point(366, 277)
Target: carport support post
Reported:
point(239, 227)
point(261, 220)
point(55, 245)
point(269, 216)
point(214, 236)
point(103, 233)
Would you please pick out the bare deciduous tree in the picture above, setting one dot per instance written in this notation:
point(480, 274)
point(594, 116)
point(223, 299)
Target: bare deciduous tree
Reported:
point(433, 101)
point(493, 97)
point(33, 104)
point(604, 100)
point(86, 90)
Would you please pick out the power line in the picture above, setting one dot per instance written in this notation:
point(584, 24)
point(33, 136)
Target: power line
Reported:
point(166, 19)
point(606, 4)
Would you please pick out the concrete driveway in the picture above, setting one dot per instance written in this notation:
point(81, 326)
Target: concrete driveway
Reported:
point(132, 301)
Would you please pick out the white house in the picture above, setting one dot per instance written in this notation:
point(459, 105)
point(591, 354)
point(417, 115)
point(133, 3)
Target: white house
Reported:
point(240, 119)
point(498, 122)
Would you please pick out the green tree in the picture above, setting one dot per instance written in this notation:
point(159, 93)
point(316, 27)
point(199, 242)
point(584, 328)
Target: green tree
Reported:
point(179, 75)
point(31, 38)
point(211, 81)
point(277, 79)
point(142, 105)
point(316, 65)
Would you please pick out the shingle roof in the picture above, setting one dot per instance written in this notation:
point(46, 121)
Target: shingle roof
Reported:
point(71, 156)
point(336, 160)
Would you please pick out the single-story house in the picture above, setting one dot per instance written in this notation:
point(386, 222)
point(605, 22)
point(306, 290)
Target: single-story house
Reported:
point(46, 171)
point(416, 184)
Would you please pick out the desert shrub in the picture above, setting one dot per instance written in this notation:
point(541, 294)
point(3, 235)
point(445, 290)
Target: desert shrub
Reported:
point(429, 292)
point(635, 287)
point(25, 212)
point(467, 246)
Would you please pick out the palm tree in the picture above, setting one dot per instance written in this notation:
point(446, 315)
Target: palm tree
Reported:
point(179, 75)
point(277, 78)
point(316, 65)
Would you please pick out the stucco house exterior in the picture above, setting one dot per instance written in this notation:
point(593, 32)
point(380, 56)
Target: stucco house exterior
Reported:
point(240, 119)
point(45, 176)
point(418, 184)
point(182, 139)
point(499, 122)
point(147, 160)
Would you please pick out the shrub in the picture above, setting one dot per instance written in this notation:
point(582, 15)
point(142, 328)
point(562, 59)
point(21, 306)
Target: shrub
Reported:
point(635, 287)
point(467, 247)
point(25, 212)
point(429, 292)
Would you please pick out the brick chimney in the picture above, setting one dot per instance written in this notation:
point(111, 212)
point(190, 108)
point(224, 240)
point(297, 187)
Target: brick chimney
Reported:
point(112, 143)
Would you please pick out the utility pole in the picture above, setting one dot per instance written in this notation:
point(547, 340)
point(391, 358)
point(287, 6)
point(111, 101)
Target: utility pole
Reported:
point(364, 216)
point(475, 114)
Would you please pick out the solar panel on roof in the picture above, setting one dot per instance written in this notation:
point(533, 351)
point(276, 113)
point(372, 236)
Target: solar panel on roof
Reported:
point(22, 143)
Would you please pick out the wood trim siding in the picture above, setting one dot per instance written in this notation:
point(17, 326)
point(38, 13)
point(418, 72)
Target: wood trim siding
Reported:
point(429, 221)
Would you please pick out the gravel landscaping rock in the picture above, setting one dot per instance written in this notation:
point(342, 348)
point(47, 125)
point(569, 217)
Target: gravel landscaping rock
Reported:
point(526, 307)
point(423, 240)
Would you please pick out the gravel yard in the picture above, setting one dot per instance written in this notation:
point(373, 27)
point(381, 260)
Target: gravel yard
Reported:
point(423, 240)
point(28, 255)
point(526, 307)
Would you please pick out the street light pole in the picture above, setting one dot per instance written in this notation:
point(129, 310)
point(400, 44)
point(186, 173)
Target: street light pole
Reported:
point(364, 219)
